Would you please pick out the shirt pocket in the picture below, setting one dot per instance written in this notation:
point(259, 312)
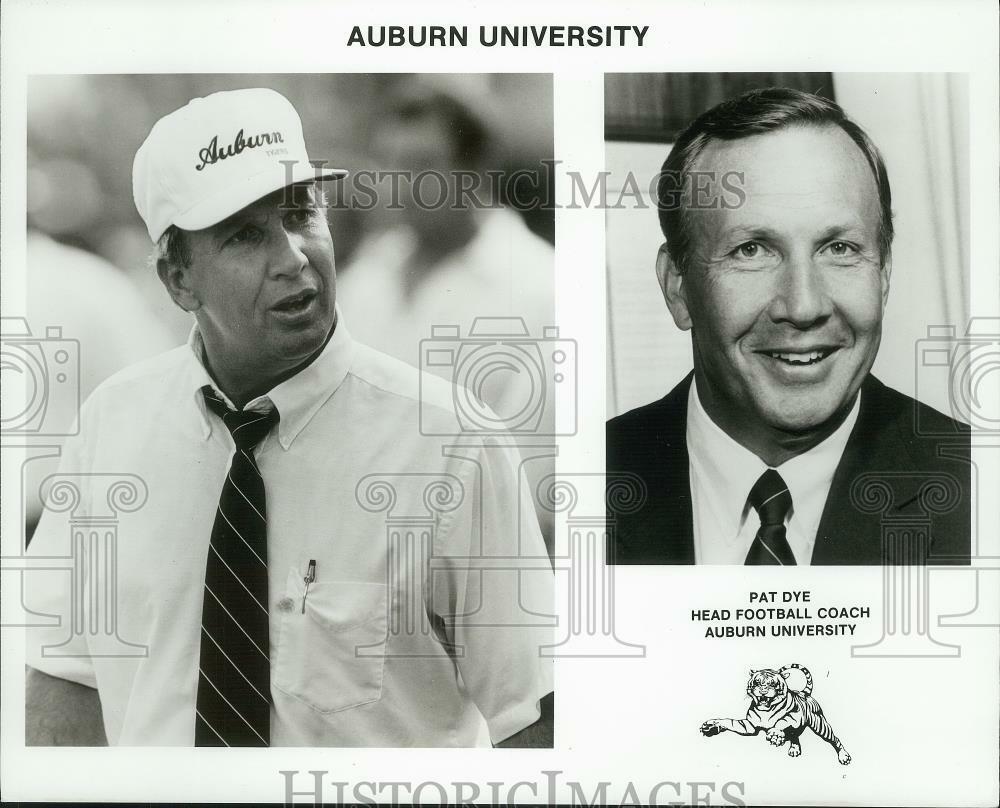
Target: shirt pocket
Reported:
point(332, 657)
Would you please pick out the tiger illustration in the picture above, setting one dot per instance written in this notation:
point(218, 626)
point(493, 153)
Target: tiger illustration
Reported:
point(781, 712)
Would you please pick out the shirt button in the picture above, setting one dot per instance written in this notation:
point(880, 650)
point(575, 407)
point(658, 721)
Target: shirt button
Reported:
point(286, 605)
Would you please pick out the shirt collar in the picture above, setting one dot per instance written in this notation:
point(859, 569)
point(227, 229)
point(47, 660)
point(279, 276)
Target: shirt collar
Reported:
point(297, 399)
point(728, 470)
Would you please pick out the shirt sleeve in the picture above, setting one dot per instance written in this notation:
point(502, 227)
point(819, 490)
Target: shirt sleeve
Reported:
point(492, 585)
point(55, 608)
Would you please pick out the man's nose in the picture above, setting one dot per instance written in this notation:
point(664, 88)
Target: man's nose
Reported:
point(286, 256)
point(801, 297)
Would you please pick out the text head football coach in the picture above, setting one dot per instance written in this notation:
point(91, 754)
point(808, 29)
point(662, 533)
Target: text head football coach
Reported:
point(249, 601)
point(777, 214)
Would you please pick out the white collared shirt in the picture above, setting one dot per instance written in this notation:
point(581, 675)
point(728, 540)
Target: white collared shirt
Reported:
point(723, 472)
point(363, 475)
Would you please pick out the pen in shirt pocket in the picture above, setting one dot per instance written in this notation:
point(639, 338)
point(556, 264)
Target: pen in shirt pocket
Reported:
point(310, 576)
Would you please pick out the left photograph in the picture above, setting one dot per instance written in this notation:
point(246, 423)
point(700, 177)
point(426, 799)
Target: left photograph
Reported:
point(287, 410)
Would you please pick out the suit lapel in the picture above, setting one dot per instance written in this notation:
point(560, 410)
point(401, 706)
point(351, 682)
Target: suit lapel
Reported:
point(647, 446)
point(677, 518)
point(848, 534)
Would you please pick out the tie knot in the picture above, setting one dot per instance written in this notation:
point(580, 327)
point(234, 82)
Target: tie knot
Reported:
point(248, 427)
point(770, 498)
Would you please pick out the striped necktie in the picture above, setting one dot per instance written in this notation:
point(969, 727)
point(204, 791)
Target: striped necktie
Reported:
point(772, 501)
point(234, 678)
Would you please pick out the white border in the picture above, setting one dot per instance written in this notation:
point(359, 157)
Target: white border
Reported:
point(68, 37)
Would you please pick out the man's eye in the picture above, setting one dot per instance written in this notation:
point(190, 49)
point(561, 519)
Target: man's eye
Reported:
point(751, 249)
point(299, 217)
point(242, 236)
point(842, 248)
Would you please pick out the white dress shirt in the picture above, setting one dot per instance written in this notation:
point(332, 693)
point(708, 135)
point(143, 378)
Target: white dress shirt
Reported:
point(723, 472)
point(398, 522)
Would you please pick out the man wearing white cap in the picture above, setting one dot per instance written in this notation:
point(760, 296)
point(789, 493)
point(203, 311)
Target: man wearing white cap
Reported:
point(300, 564)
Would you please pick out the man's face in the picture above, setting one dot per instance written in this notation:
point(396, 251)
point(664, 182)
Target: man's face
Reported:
point(263, 284)
point(784, 294)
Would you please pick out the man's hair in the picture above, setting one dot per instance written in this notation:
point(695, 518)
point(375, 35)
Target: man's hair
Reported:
point(174, 247)
point(754, 113)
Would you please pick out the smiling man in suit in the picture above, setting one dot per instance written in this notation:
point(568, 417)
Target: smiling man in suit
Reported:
point(781, 447)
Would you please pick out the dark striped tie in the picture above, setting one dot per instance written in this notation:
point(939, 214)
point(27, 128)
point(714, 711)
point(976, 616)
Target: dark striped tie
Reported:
point(772, 501)
point(234, 679)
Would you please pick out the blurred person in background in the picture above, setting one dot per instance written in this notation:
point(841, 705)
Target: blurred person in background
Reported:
point(442, 259)
point(86, 266)
point(98, 307)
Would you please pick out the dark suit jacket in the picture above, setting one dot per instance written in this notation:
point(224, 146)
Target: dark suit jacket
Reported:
point(891, 486)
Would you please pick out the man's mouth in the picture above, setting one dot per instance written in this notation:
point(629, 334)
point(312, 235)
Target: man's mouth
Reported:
point(295, 304)
point(811, 356)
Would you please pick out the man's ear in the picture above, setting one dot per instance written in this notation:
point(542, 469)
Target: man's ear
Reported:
point(886, 273)
point(176, 281)
point(673, 287)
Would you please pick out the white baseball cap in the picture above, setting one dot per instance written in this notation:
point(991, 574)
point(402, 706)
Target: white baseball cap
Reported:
point(215, 155)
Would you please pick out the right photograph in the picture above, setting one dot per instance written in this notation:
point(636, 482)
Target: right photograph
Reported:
point(791, 362)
